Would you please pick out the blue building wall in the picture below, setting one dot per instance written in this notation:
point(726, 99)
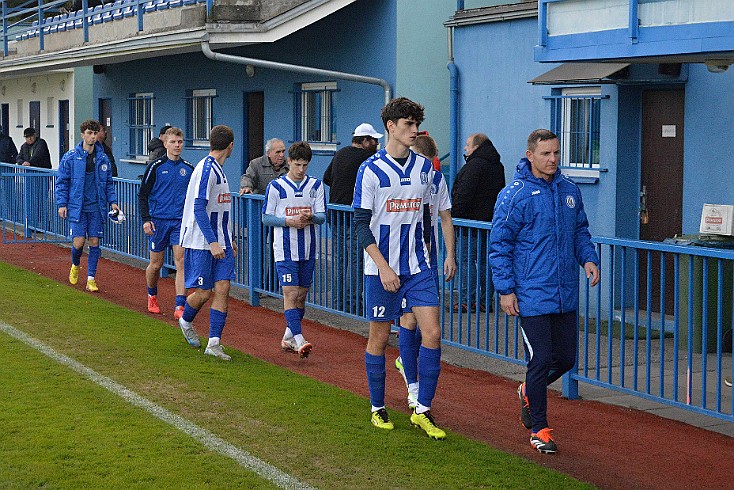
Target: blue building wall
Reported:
point(495, 62)
point(709, 131)
point(346, 41)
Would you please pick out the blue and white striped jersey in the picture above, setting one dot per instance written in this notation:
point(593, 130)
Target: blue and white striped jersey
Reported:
point(396, 196)
point(440, 201)
point(284, 199)
point(207, 182)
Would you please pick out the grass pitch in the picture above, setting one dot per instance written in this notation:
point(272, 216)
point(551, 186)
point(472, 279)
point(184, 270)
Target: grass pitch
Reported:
point(61, 430)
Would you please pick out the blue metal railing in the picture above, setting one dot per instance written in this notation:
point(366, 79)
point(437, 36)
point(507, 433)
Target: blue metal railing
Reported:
point(38, 19)
point(677, 357)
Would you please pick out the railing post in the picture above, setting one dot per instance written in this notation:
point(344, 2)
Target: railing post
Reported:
point(254, 251)
point(5, 29)
point(85, 20)
point(569, 384)
point(40, 25)
point(141, 11)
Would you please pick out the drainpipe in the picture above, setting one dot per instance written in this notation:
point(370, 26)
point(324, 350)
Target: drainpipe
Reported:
point(307, 70)
point(453, 108)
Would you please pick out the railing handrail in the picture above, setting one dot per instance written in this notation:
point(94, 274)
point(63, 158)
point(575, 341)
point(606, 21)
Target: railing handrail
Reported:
point(701, 251)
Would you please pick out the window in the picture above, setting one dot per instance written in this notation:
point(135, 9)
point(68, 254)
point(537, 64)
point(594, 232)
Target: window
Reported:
point(50, 112)
point(318, 115)
point(141, 124)
point(200, 116)
point(576, 121)
point(20, 114)
point(34, 116)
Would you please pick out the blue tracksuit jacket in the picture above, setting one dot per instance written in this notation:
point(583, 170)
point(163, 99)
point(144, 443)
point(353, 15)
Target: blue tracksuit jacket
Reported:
point(70, 181)
point(540, 236)
point(163, 191)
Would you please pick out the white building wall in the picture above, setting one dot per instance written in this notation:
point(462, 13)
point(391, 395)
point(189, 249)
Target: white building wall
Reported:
point(48, 89)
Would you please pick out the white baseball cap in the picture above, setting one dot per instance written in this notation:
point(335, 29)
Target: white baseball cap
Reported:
point(366, 129)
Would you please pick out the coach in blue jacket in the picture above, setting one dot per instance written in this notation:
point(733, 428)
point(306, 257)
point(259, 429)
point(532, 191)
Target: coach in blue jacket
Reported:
point(540, 237)
point(84, 193)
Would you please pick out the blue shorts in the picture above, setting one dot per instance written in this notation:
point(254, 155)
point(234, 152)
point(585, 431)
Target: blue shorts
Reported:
point(167, 233)
point(90, 224)
point(295, 273)
point(416, 290)
point(434, 276)
point(202, 270)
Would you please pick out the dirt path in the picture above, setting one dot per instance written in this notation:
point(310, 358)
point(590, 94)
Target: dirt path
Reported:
point(609, 446)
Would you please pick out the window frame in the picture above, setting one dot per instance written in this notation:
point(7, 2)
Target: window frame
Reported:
point(141, 127)
point(326, 115)
point(193, 137)
point(591, 97)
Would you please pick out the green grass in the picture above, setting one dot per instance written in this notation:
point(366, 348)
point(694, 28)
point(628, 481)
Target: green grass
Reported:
point(63, 431)
point(629, 329)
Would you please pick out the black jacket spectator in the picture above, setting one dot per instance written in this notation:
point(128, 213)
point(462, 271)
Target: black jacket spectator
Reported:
point(341, 174)
point(477, 184)
point(155, 149)
point(8, 150)
point(36, 154)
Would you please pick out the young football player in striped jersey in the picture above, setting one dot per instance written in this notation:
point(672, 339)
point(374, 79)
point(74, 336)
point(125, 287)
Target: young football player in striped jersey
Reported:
point(294, 205)
point(160, 203)
point(206, 236)
point(393, 224)
point(409, 339)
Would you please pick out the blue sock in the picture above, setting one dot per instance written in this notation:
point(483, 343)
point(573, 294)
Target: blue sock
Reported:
point(293, 320)
point(153, 291)
point(418, 340)
point(180, 299)
point(375, 366)
point(189, 313)
point(301, 312)
point(216, 322)
point(76, 255)
point(94, 253)
point(429, 367)
point(406, 343)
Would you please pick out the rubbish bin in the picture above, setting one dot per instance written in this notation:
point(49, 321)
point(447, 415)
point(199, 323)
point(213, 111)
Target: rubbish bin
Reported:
point(711, 306)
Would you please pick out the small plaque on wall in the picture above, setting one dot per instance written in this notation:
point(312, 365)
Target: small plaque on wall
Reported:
point(669, 130)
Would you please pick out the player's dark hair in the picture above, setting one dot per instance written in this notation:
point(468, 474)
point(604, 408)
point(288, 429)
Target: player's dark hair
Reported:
point(89, 124)
point(402, 108)
point(426, 146)
point(357, 140)
point(220, 137)
point(300, 151)
point(163, 130)
point(540, 135)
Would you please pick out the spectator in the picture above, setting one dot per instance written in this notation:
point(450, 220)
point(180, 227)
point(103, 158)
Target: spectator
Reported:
point(156, 148)
point(34, 152)
point(8, 150)
point(473, 197)
point(340, 176)
point(102, 137)
point(262, 170)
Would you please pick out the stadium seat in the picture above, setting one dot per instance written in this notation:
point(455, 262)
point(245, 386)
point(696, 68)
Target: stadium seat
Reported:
point(96, 17)
point(161, 5)
point(175, 3)
point(150, 7)
point(189, 2)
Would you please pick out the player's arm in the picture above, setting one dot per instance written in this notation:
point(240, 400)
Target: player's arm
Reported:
point(146, 187)
point(449, 240)
point(506, 225)
point(63, 180)
point(388, 277)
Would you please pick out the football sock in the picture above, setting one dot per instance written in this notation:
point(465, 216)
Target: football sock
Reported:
point(301, 312)
point(293, 320)
point(76, 255)
point(429, 367)
point(180, 300)
point(94, 253)
point(153, 291)
point(216, 322)
point(212, 341)
point(288, 334)
point(189, 313)
point(406, 343)
point(418, 340)
point(375, 366)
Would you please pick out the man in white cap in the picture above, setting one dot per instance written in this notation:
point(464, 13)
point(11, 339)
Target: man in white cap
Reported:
point(340, 176)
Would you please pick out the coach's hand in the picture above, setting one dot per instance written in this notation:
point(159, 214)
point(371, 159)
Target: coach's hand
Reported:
point(592, 272)
point(508, 303)
point(62, 212)
point(217, 250)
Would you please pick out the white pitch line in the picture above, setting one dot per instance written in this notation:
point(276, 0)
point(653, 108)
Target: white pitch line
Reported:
point(207, 438)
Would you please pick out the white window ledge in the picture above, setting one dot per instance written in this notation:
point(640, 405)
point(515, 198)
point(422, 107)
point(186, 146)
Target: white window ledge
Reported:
point(583, 175)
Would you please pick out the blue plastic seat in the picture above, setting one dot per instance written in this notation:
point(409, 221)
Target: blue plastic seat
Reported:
point(150, 7)
point(175, 3)
point(161, 5)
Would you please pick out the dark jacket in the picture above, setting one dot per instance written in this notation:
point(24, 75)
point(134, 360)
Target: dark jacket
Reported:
point(477, 184)
point(8, 150)
point(341, 174)
point(37, 154)
point(110, 157)
point(70, 181)
point(163, 191)
point(155, 149)
point(540, 237)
